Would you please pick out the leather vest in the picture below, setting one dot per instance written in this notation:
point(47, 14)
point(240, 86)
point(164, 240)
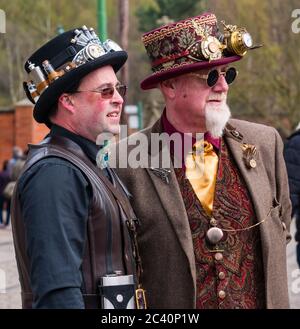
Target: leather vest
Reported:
point(108, 245)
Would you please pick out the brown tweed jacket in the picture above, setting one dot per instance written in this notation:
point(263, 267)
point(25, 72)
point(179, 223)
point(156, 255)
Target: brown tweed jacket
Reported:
point(164, 235)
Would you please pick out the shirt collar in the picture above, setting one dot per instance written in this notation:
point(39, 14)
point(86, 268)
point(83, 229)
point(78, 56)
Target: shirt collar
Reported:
point(170, 129)
point(89, 148)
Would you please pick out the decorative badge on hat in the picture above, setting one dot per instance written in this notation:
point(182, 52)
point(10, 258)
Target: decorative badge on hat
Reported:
point(209, 48)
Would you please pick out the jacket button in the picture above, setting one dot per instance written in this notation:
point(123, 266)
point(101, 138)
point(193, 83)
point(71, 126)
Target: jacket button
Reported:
point(235, 133)
point(213, 222)
point(218, 256)
point(221, 275)
point(222, 294)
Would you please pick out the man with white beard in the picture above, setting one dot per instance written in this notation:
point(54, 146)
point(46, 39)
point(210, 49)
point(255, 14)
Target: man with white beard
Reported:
point(214, 238)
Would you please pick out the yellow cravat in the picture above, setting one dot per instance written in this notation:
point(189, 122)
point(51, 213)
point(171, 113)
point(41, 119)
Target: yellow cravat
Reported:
point(202, 173)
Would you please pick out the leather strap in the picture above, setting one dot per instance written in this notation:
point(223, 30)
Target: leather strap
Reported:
point(63, 57)
point(62, 145)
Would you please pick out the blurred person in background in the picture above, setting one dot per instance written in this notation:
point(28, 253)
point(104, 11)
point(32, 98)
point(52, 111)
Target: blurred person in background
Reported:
point(17, 153)
point(4, 202)
point(292, 158)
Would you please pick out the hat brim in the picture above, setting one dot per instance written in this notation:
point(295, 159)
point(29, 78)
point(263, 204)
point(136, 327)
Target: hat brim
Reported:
point(50, 96)
point(155, 78)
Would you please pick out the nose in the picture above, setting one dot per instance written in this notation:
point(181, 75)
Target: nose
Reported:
point(221, 85)
point(117, 98)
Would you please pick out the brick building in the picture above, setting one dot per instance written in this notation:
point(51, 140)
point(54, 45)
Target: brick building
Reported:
point(18, 128)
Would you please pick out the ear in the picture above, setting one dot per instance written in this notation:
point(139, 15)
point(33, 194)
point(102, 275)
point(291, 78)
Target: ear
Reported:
point(168, 88)
point(66, 101)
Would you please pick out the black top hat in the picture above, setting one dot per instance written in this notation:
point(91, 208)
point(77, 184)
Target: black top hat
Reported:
point(62, 62)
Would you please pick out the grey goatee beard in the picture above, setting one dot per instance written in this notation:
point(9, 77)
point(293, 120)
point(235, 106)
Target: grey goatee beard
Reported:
point(217, 115)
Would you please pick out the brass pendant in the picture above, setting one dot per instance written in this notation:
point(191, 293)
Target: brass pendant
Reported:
point(140, 299)
point(162, 173)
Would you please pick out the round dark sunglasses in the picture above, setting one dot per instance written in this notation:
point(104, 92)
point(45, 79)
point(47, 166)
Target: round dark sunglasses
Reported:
point(107, 92)
point(213, 76)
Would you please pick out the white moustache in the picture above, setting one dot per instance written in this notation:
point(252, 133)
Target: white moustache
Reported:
point(217, 97)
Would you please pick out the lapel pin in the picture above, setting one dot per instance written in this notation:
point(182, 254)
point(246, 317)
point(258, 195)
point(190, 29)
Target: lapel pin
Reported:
point(162, 173)
point(102, 158)
point(249, 155)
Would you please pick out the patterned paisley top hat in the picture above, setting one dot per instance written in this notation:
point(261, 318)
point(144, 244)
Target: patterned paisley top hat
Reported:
point(62, 62)
point(193, 44)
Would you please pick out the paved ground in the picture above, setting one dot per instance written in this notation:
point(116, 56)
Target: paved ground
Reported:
point(10, 289)
point(9, 282)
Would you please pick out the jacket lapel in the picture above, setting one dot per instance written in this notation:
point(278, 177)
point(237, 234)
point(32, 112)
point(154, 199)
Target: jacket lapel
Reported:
point(170, 196)
point(255, 179)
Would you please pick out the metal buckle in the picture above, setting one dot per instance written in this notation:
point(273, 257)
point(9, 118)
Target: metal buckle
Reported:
point(140, 298)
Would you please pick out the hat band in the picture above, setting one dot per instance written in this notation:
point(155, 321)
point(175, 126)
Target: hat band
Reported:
point(169, 58)
point(209, 49)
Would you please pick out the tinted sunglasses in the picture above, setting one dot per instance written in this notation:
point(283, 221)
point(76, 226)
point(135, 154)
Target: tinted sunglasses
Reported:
point(213, 76)
point(107, 92)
